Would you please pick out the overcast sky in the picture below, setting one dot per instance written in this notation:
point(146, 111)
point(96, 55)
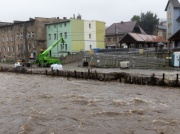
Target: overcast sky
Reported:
point(109, 11)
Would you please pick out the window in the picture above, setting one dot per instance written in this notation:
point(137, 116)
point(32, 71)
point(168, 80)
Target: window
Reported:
point(4, 49)
point(8, 49)
point(12, 48)
point(29, 46)
point(169, 25)
point(65, 46)
point(114, 39)
point(169, 15)
point(11, 38)
point(109, 39)
point(62, 46)
point(89, 25)
point(49, 27)
point(90, 46)
point(17, 36)
point(3, 39)
point(17, 47)
point(60, 25)
point(54, 25)
point(32, 34)
point(34, 44)
point(64, 24)
point(7, 39)
point(28, 35)
point(61, 35)
point(65, 35)
point(159, 34)
point(49, 36)
point(54, 36)
point(21, 36)
point(169, 34)
point(24, 47)
point(89, 36)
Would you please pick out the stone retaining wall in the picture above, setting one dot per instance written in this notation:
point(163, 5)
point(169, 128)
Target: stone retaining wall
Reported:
point(119, 77)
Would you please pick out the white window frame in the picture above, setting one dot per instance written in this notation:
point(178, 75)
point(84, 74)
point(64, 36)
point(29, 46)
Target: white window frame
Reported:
point(32, 34)
point(33, 45)
point(12, 48)
point(8, 49)
point(4, 49)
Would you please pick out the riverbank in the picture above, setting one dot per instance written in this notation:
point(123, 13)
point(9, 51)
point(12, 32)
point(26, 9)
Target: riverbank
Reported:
point(168, 77)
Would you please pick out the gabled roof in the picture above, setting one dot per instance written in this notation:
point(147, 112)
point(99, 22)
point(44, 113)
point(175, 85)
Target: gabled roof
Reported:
point(175, 4)
point(143, 38)
point(123, 28)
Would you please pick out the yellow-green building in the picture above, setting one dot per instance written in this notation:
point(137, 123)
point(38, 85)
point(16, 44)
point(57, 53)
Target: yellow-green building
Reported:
point(79, 35)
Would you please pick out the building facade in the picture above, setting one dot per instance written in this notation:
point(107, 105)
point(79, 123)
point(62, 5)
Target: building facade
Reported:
point(160, 30)
point(23, 39)
point(79, 35)
point(116, 31)
point(173, 17)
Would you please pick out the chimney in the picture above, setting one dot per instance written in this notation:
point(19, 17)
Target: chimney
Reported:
point(79, 17)
point(64, 18)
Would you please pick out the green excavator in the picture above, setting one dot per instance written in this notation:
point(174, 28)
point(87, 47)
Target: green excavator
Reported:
point(44, 58)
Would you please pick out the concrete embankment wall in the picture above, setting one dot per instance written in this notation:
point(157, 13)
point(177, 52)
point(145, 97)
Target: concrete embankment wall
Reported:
point(94, 75)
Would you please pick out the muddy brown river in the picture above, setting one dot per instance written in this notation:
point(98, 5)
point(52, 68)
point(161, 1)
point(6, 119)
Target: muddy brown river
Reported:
point(35, 104)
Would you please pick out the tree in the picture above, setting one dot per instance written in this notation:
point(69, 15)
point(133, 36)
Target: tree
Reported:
point(135, 18)
point(148, 21)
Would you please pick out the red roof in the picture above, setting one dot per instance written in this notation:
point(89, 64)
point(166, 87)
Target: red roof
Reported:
point(145, 38)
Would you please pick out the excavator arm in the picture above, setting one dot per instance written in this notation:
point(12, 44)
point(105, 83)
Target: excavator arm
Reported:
point(46, 52)
point(44, 59)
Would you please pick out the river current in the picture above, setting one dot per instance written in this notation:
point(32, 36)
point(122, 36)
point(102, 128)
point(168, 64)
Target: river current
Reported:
point(37, 104)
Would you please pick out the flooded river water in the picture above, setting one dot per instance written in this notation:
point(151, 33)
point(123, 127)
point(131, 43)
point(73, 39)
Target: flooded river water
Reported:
point(35, 104)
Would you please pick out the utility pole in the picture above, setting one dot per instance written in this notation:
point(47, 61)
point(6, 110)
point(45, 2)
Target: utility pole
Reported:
point(14, 43)
point(26, 43)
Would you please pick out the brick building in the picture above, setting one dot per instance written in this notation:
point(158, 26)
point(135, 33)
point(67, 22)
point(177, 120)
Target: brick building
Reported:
point(23, 39)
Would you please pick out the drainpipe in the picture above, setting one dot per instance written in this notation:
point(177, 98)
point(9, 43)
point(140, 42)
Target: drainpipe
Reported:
point(26, 43)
